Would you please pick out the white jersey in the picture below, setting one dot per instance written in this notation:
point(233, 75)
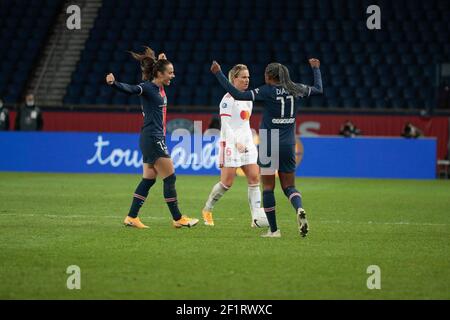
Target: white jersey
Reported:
point(235, 128)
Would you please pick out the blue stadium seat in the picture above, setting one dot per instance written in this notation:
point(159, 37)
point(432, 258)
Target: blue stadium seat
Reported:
point(333, 103)
point(346, 92)
point(362, 93)
point(398, 103)
point(381, 104)
point(409, 93)
point(317, 102)
point(351, 103)
point(354, 61)
point(22, 35)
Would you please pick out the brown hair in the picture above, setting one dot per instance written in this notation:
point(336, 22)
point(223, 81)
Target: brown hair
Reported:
point(150, 65)
point(234, 72)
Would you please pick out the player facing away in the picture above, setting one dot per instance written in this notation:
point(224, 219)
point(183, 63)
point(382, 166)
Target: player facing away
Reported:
point(156, 73)
point(281, 98)
point(237, 149)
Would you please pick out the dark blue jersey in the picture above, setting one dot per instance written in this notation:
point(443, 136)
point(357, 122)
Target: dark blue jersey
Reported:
point(153, 104)
point(280, 107)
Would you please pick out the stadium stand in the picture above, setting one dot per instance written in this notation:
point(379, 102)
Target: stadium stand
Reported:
point(389, 68)
point(392, 68)
point(24, 26)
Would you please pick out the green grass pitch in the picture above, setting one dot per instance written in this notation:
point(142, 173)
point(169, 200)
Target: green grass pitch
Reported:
point(51, 221)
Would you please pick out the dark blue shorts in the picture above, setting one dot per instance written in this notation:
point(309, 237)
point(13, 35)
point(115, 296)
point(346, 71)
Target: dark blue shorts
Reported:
point(153, 148)
point(286, 162)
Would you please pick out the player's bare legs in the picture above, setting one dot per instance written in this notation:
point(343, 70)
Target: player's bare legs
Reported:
point(149, 172)
point(227, 176)
point(149, 175)
point(252, 173)
point(287, 181)
point(164, 168)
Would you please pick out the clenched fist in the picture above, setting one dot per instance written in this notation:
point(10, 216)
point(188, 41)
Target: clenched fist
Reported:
point(315, 63)
point(215, 67)
point(110, 79)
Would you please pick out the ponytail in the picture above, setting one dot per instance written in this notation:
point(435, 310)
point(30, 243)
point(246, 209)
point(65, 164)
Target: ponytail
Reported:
point(280, 73)
point(147, 60)
point(150, 65)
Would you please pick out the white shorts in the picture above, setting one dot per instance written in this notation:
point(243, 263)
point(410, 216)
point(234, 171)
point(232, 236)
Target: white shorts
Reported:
point(230, 157)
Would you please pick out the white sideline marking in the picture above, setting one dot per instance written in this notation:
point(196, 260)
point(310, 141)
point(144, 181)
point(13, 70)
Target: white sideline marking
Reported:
point(231, 219)
point(386, 223)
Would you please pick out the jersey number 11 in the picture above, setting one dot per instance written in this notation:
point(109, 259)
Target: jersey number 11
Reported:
point(283, 103)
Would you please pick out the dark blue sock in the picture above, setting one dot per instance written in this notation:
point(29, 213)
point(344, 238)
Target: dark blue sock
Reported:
point(269, 208)
point(294, 197)
point(170, 194)
point(139, 196)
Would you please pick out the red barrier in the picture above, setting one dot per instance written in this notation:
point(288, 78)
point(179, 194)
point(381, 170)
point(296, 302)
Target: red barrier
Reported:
point(371, 125)
point(378, 126)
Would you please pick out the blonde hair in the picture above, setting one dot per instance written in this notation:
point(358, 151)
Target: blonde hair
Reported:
point(234, 72)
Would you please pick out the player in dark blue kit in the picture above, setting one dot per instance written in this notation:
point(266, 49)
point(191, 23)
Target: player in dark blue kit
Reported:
point(156, 73)
point(281, 98)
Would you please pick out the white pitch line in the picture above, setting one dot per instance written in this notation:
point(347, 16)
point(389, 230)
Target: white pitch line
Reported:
point(231, 219)
point(385, 223)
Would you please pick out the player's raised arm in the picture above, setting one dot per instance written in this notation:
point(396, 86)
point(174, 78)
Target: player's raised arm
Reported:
point(123, 87)
point(235, 93)
point(317, 87)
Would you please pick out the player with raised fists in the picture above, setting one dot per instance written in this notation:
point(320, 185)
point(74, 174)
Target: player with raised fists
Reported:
point(281, 97)
point(156, 73)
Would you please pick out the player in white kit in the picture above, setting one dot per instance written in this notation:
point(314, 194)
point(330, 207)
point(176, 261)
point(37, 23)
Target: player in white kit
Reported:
point(237, 149)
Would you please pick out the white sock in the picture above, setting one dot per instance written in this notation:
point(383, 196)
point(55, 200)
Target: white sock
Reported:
point(216, 193)
point(254, 198)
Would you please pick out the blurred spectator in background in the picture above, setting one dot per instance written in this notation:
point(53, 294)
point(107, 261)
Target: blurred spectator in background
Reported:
point(213, 127)
point(410, 131)
point(348, 129)
point(215, 123)
point(29, 117)
point(4, 117)
point(444, 96)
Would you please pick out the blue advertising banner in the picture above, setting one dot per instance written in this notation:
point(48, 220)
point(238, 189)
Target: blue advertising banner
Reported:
point(119, 153)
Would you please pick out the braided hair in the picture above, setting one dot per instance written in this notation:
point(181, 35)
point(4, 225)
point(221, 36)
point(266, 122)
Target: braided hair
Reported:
point(280, 74)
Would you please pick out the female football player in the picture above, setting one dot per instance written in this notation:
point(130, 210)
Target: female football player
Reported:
point(237, 149)
point(280, 96)
point(156, 73)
